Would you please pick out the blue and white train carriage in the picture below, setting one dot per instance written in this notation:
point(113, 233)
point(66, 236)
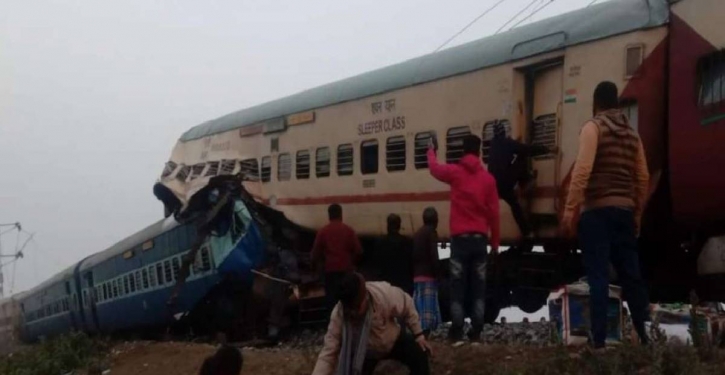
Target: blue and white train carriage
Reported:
point(127, 286)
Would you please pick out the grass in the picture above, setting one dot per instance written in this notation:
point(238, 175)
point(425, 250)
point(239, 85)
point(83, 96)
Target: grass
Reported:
point(56, 356)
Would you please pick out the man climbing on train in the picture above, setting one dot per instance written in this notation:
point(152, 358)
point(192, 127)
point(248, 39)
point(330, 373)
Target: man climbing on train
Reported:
point(474, 222)
point(364, 330)
point(338, 245)
point(609, 181)
point(508, 163)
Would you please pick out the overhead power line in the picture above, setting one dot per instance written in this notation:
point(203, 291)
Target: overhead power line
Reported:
point(516, 16)
point(592, 3)
point(537, 10)
point(469, 25)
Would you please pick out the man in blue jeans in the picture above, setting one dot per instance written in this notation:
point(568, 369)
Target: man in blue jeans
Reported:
point(610, 180)
point(474, 213)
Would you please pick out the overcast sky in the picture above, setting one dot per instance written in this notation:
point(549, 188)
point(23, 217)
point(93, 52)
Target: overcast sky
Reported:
point(94, 94)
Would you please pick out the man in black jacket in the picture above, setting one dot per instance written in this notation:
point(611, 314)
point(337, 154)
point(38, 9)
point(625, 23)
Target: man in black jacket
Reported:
point(394, 257)
point(508, 163)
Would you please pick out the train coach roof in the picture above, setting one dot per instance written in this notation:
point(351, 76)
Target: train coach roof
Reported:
point(58, 277)
point(583, 25)
point(129, 242)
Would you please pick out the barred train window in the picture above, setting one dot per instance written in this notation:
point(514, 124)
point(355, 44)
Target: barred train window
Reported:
point(344, 160)
point(132, 282)
point(160, 273)
point(196, 171)
point(421, 149)
point(454, 143)
point(183, 173)
point(168, 169)
point(138, 280)
point(544, 133)
point(228, 166)
point(395, 154)
point(488, 136)
point(213, 169)
point(250, 169)
point(284, 167)
point(266, 169)
point(167, 271)
point(369, 157)
point(711, 72)
point(152, 276)
point(303, 165)
point(175, 264)
point(322, 162)
point(205, 260)
point(126, 285)
point(145, 276)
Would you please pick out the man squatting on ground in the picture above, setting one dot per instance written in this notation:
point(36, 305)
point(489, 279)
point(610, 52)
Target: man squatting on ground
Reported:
point(363, 330)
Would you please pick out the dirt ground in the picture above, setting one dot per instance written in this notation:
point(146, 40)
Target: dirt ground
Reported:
point(147, 358)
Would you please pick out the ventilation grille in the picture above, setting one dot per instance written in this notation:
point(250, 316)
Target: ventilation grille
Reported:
point(544, 133)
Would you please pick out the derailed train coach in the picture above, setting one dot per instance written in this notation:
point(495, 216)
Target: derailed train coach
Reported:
point(166, 277)
point(361, 141)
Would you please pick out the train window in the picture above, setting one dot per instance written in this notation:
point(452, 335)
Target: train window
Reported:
point(65, 304)
point(303, 165)
point(228, 166)
point(213, 169)
point(633, 59)
point(56, 308)
point(152, 276)
point(138, 280)
point(115, 288)
point(85, 299)
point(183, 173)
point(168, 169)
point(205, 260)
point(344, 160)
point(126, 285)
point(369, 157)
point(160, 273)
point(454, 143)
point(395, 154)
point(175, 264)
point(167, 271)
point(145, 277)
point(421, 149)
point(48, 311)
point(544, 133)
point(196, 171)
point(711, 74)
point(105, 291)
point(266, 169)
point(322, 162)
point(250, 169)
point(131, 283)
point(284, 167)
point(487, 136)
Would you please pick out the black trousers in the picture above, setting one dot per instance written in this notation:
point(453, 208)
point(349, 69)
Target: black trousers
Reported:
point(332, 285)
point(509, 196)
point(405, 351)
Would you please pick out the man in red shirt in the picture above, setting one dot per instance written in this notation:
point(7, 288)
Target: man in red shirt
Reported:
point(474, 215)
point(338, 244)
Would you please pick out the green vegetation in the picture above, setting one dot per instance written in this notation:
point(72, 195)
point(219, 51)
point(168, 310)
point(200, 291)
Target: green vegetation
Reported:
point(55, 357)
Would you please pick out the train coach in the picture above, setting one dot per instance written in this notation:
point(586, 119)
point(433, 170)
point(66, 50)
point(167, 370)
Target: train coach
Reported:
point(128, 286)
point(361, 141)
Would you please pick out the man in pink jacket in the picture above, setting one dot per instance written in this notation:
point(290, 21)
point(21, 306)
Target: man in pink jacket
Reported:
point(474, 215)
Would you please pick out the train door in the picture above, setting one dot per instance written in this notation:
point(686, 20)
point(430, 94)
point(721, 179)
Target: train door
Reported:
point(544, 98)
point(89, 302)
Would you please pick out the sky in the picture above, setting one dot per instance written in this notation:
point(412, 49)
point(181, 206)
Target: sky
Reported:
point(95, 93)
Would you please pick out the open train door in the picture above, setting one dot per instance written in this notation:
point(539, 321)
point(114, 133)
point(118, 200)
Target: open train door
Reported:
point(544, 99)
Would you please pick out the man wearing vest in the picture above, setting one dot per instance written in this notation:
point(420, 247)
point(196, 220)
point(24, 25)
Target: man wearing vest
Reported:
point(610, 181)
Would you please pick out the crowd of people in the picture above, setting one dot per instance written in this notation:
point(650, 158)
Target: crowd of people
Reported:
point(391, 317)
